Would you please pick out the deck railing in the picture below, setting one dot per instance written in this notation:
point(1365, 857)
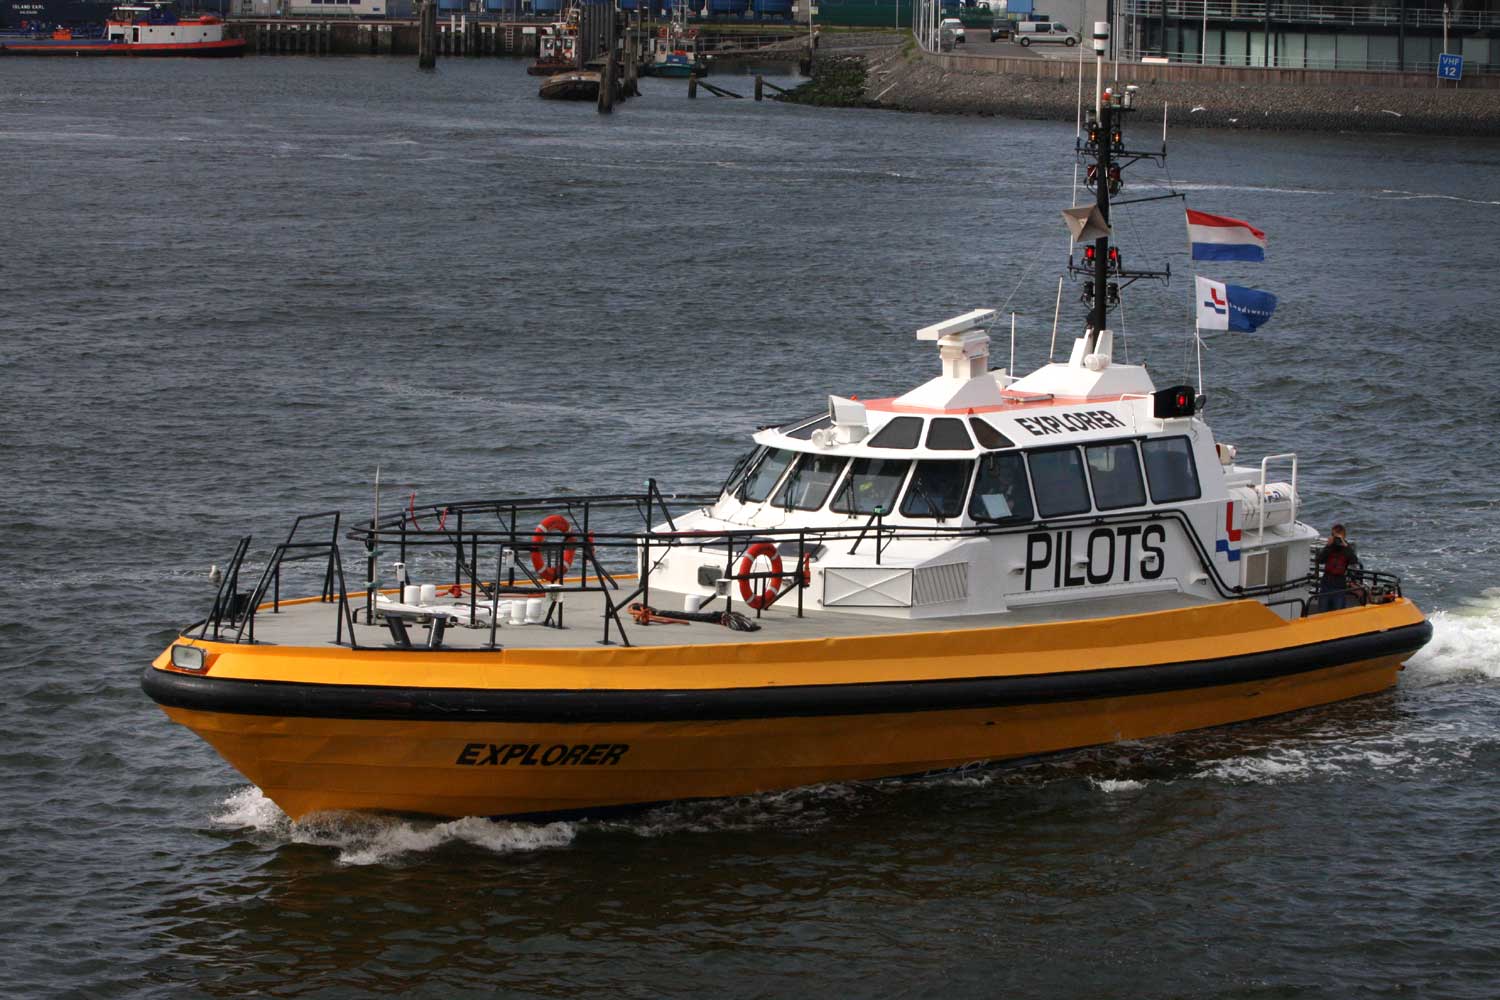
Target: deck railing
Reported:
point(608, 544)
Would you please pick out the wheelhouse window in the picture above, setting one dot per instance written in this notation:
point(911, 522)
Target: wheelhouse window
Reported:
point(742, 467)
point(987, 436)
point(810, 482)
point(1057, 475)
point(1001, 495)
point(803, 429)
point(1170, 470)
point(902, 432)
point(871, 483)
point(1115, 472)
point(948, 434)
point(765, 474)
point(937, 489)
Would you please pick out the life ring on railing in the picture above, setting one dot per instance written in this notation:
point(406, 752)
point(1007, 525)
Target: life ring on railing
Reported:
point(557, 524)
point(661, 32)
point(692, 32)
point(764, 598)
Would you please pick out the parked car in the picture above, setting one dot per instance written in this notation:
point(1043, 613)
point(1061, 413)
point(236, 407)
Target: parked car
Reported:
point(1044, 31)
point(954, 25)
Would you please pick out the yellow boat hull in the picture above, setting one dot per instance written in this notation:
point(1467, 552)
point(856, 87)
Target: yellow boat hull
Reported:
point(534, 732)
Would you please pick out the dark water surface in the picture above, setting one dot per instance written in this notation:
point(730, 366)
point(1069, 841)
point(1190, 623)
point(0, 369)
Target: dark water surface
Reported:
point(232, 290)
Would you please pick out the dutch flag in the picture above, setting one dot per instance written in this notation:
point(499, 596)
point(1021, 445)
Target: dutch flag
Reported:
point(1218, 237)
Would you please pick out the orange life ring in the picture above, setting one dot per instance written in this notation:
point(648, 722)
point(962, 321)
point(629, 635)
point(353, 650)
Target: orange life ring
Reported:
point(764, 598)
point(661, 32)
point(558, 524)
point(692, 33)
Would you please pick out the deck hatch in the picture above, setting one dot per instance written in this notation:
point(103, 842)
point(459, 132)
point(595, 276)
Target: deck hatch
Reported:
point(867, 587)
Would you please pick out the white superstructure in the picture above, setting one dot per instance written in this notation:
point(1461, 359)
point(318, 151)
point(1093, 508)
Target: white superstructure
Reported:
point(1082, 491)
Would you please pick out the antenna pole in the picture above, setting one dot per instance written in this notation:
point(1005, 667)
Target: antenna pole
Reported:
point(1056, 311)
point(1012, 370)
point(1103, 114)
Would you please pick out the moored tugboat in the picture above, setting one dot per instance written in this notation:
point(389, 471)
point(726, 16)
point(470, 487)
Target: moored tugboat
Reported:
point(675, 51)
point(557, 46)
point(984, 568)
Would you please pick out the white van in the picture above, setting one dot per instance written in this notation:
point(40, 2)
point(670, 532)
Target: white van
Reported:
point(1044, 31)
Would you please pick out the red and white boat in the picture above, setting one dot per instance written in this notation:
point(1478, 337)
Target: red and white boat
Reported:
point(155, 30)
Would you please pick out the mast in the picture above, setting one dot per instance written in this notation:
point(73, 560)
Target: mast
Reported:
point(1103, 142)
point(1103, 115)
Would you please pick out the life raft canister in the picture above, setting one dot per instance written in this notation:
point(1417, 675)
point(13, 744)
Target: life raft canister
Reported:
point(765, 598)
point(557, 524)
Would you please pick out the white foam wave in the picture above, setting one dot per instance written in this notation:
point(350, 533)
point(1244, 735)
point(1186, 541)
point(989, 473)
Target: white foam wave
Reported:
point(1309, 763)
point(363, 839)
point(1465, 643)
point(1112, 785)
point(1255, 188)
point(1388, 194)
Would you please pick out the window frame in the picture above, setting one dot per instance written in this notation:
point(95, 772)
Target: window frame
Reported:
point(796, 467)
point(1088, 491)
point(1140, 472)
point(849, 475)
point(890, 424)
point(755, 467)
point(1012, 519)
point(963, 496)
point(967, 446)
point(1192, 465)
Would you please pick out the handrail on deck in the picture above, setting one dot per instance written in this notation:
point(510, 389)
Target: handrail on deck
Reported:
point(526, 564)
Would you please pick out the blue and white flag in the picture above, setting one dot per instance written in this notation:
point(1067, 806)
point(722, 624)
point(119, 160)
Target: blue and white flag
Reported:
point(1230, 307)
point(1218, 237)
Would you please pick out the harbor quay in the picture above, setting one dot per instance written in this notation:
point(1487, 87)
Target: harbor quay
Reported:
point(898, 77)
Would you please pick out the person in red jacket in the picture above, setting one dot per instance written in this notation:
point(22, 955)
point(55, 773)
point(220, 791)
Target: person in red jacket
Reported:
point(1335, 559)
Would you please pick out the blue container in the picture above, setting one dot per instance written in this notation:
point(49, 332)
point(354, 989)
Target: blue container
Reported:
point(773, 8)
point(722, 8)
point(453, 6)
point(546, 6)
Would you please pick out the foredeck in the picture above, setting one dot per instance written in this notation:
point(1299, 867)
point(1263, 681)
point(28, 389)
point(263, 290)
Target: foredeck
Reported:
point(313, 623)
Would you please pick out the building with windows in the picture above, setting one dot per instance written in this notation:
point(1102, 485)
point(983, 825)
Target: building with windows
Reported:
point(1407, 36)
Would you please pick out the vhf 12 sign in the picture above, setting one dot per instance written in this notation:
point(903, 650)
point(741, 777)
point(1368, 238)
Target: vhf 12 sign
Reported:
point(1450, 67)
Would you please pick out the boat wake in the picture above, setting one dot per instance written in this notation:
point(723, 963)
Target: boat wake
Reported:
point(364, 839)
point(1465, 644)
point(1390, 194)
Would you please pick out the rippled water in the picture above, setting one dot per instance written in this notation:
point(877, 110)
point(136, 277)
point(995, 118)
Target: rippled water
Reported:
point(233, 290)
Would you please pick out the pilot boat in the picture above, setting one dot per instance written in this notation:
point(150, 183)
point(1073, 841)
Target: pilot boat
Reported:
point(984, 568)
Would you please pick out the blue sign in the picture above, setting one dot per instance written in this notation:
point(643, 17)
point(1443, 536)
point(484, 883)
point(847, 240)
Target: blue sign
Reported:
point(1450, 67)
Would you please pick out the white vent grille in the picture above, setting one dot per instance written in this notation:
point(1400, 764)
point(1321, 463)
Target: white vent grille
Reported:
point(940, 584)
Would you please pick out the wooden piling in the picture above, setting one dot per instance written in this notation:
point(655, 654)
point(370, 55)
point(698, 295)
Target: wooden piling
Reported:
point(607, 84)
point(759, 86)
point(427, 35)
point(693, 85)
